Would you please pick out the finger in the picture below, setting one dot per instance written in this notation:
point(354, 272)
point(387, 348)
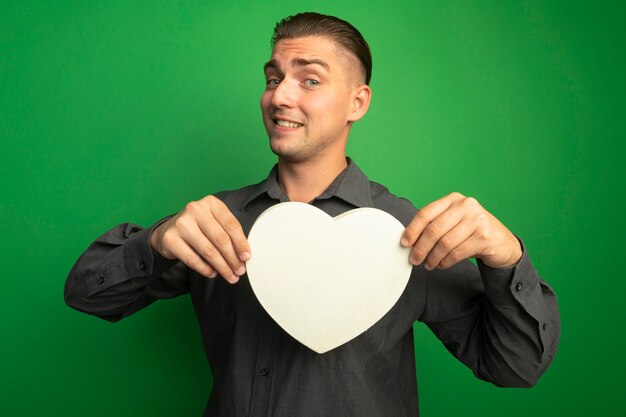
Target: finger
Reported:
point(463, 251)
point(189, 257)
point(232, 227)
point(197, 240)
point(424, 216)
point(449, 242)
point(434, 232)
point(221, 241)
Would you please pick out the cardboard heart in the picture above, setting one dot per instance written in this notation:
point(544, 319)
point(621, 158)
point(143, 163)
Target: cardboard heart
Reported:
point(326, 280)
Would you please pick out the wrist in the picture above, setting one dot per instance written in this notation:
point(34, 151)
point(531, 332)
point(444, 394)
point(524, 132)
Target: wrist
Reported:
point(514, 255)
point(154, 242)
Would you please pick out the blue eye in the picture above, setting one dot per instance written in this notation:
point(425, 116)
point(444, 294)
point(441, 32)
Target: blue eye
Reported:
point(272, 82)
point(312, 83)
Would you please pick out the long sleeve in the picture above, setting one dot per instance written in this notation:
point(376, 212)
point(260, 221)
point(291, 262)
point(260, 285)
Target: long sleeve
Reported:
point(502, 323)
point(119, 274)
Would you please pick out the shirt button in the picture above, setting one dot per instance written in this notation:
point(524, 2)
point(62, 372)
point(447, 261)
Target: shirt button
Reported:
point(142, 265)
point(101, 280)
point(544, 326)
point(518, 286)
point(265, 372)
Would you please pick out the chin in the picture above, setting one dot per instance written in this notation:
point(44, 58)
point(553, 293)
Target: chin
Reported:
point(287, 153)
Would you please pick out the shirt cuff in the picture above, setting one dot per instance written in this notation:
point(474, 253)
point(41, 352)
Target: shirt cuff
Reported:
point(504, 286)
point(139, 259)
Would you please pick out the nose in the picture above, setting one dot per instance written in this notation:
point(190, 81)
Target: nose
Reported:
point(283, 95)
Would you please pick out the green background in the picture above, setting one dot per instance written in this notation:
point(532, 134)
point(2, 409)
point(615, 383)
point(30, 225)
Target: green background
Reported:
point(124, 111)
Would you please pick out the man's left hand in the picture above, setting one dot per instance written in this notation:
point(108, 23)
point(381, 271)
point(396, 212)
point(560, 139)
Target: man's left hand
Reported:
point(456, 227)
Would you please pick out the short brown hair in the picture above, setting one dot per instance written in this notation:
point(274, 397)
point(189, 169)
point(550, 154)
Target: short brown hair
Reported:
point(340, 31)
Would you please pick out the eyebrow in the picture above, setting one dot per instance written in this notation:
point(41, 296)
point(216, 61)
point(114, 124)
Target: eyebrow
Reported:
point(298, 62)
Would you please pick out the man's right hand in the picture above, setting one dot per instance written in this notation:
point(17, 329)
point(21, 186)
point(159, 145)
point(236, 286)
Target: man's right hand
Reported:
point(206, 237)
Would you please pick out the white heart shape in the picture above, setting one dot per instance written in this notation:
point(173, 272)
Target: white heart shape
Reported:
point(323, 280)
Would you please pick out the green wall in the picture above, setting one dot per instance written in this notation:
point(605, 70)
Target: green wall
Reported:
point(123, 111)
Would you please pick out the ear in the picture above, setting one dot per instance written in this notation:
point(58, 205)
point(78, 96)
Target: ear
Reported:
point(360, 101)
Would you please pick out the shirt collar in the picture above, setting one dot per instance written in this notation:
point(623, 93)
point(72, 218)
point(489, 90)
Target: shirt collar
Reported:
point(351, 185)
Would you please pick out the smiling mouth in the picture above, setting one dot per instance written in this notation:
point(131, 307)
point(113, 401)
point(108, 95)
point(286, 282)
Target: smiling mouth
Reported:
point(287, 123)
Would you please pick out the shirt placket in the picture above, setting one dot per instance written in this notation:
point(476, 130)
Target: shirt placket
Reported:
point(265, 366)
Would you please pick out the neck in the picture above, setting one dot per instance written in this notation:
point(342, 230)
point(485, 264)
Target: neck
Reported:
point(303, 181)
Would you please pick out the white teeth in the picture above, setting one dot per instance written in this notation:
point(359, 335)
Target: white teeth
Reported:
point(285, 123)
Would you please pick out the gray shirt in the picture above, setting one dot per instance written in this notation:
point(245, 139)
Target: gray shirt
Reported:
point(502, 323)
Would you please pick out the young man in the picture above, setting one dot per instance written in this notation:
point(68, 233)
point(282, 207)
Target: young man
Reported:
point(500, 319)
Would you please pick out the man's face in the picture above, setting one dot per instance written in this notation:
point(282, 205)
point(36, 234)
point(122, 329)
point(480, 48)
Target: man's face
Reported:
point(308, 96)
